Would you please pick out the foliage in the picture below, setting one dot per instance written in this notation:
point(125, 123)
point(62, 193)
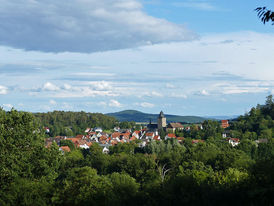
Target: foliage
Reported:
point(265, 14)
point(162, 173)
point(73, 123)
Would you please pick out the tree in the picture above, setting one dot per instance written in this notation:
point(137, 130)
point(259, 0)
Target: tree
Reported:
point(265, 14)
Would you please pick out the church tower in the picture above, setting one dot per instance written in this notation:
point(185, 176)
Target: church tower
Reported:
point(161, 121)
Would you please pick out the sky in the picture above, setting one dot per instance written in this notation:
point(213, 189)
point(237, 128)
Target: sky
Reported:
point(185, 57)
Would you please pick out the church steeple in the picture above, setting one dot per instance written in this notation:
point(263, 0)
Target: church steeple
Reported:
point(161, 121)
point(161, 115)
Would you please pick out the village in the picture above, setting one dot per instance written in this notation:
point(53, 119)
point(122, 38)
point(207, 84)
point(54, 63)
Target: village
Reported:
point(150, 132)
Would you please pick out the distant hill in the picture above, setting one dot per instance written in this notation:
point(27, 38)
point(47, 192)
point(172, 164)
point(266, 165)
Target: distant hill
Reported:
point(137, 116)
point(222, 117)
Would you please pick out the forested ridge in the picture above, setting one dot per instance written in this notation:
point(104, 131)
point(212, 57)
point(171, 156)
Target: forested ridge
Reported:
point(162, 173)
point(73, 123)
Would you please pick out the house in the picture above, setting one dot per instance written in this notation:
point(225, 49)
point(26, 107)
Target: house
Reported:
point(224, 124)
point(136, 134)
point(115, 135)
point(87, 130)
point(180, 139)
point(173, 126)
point(105, 150)
point(94, 138)
point(98, 129)
point(157, 138)
point(170, 136)
point(143, 143)
point(47, 130)
point(187, 128)
point(113, 141)
point(233, 141)
point(84, 144)
point(116, 129)
point(103, 139)
point(75, 141)
point(124, 137)
point(64, 149)
point(80, 136)
point(133, 138)
point(92, 133)
point(150, 135)
point(226, 134)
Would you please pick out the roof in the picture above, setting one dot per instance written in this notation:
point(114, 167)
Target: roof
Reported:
point(171, 135)
point(115, 134)
point(234, 139)
point(149, 134)
point(65, 148)
point(80, 136)
point(175, 125)
point(156, 137)
point(74, 140)
point(137, 132)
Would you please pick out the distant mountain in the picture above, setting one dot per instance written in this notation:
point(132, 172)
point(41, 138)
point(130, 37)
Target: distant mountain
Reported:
point(137, 116)
point(222, 117)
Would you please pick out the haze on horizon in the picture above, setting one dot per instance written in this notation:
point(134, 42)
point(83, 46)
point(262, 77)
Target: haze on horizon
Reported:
point(189, 57)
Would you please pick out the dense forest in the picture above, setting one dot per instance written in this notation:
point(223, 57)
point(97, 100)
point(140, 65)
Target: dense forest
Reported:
point(161, 173)
point(73, 123)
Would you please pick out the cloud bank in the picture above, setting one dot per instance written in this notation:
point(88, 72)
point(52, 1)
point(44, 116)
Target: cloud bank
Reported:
point(83, 25)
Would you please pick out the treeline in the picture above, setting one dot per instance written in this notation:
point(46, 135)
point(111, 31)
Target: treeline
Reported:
point(257, 124)
point(72, 123)
point(161, 173)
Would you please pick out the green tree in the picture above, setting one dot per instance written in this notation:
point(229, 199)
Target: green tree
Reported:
point(265, 14)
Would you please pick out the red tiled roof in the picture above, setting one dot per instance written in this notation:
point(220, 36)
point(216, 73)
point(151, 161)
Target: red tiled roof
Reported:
point(234, 139)
point(65, 148)
point(75, 141)
point(171, 135)
point(175, 125)
point(80, 136)
point(132, 138)
point(116, 134)
point(149, 134)
point(156, 137)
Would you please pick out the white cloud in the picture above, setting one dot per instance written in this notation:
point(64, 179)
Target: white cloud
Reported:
point(67, 87)
point(52, 102)
point(100, 85)
point(3, 90)
point(170, 86)
point(178, 95)
point(48, 86)
point(83, 26)
point(204, 92)
point(151, 94)
point(206, 6)
point(145, 105)
point(114, 103)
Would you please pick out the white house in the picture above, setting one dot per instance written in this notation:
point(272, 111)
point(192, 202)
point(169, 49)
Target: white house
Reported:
point(105, 150)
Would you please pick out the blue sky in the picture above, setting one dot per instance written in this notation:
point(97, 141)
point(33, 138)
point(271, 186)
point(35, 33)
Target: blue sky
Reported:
point(187, 57)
